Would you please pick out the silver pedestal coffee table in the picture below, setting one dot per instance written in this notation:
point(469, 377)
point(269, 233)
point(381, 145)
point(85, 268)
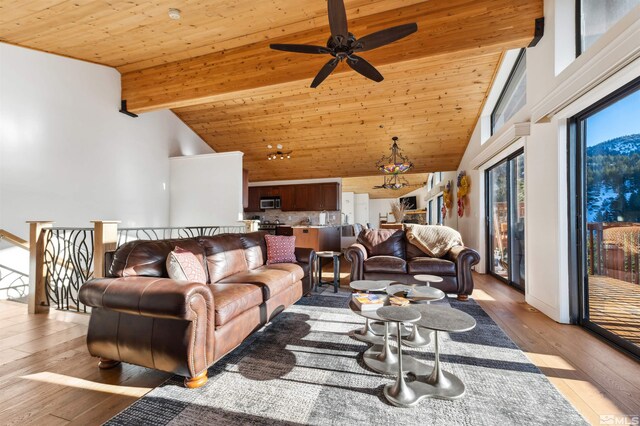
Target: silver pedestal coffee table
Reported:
point(440, 384)
point(417, 294)
point(399, 393)
point(382, 357)
point(367, 334)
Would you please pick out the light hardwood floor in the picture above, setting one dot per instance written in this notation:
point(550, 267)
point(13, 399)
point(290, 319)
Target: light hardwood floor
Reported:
point(47, 377)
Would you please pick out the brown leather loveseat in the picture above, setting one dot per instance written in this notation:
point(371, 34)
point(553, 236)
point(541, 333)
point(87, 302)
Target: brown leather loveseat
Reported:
point(142, 317)
point(386, 254)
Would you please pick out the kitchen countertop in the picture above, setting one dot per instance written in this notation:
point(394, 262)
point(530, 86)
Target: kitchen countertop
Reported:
point(316, 226)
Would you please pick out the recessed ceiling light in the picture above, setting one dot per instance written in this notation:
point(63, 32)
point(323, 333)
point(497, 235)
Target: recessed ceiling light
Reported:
point(279, 146)
point(174, 14)
point(269, 146)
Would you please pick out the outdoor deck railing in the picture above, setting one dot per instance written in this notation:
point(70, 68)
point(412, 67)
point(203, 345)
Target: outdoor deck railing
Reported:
point(63, 259)
point(613, 250)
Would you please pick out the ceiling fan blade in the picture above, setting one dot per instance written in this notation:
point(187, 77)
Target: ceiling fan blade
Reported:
point(363, 67)
point(300, 48)
point(338, 20)
point(324, 72)
point(381, 38)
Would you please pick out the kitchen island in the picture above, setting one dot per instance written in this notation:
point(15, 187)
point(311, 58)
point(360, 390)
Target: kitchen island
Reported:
point(317, 237)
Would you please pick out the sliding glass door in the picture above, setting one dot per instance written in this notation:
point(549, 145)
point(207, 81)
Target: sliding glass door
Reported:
point(505, 220)
point(605, 147)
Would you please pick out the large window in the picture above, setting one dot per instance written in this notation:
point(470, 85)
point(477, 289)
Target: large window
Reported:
point(595, 17)
point(505, 224)
point(513, 96)
point(605, 149)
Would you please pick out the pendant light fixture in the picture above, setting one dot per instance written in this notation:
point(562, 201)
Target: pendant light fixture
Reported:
point(396, 162)
point(393, 182)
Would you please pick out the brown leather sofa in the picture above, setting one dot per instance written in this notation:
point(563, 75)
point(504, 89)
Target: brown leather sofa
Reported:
point(142, 317)
point(385, 254)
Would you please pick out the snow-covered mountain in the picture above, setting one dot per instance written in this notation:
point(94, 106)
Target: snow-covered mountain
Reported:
point(624, 145)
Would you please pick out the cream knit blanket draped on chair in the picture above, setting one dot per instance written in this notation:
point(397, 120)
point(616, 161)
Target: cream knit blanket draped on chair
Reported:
point(435, 240)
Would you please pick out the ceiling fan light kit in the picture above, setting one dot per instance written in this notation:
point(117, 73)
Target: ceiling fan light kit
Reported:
point(343, 45)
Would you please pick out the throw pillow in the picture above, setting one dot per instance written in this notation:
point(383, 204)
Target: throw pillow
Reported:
point(184, 266)
point(280, 249)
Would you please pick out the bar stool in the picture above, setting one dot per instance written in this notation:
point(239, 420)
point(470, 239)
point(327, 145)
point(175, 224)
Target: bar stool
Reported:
point(335, 255)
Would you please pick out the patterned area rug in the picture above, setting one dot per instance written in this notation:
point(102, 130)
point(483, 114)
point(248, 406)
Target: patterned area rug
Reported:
point(303, 368)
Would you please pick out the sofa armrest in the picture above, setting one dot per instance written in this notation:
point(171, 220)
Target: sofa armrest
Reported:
point(151, 297)
point(464, 258)
point(305, 255)
point(356, 254)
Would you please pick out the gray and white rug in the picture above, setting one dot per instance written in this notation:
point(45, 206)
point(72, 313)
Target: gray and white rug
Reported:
point(303, 368)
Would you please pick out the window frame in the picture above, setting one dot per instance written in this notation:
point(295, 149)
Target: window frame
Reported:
point(576, 212)
point(578, 29)
point(519, 59)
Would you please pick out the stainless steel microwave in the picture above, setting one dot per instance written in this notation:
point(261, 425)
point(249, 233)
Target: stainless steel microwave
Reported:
point(269, 203)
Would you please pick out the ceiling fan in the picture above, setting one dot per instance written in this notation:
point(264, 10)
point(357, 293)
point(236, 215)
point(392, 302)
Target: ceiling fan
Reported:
point(343, 45)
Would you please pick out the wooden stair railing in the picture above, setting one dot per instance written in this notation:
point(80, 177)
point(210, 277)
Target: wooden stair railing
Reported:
point(13, 239)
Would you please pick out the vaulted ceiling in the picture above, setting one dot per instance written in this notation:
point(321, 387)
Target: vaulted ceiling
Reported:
point(214, 69)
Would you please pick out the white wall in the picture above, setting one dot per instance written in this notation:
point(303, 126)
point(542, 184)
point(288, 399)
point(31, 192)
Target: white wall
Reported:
point(206, 189)
point(378, 206)
point(550, 69)
point(68, 155)
point(348, 207)
point(361, 208)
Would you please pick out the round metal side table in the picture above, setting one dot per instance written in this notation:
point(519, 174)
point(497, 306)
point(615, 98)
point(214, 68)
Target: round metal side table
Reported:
point(367, 334)
point(440, 383)
point(428, 279)
point(416, 339)
point(399, 393)
point(382, 357)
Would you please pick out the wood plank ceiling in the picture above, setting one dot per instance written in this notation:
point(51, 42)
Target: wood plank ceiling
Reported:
point(214, 69)
point(365, 184)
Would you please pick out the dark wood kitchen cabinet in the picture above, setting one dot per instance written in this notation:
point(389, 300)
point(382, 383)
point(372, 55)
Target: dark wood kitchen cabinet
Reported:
point(255, 192)
point(306, 198)
point(303, 197)
point(288, 198)
point(330, 196)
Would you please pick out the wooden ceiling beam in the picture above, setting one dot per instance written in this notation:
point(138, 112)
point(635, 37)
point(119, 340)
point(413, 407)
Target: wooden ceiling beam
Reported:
point(444, 27)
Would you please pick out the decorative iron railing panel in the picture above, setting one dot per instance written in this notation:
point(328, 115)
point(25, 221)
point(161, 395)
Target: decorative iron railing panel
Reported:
point(131, 234)
point(68, 259)
point(14, 285)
